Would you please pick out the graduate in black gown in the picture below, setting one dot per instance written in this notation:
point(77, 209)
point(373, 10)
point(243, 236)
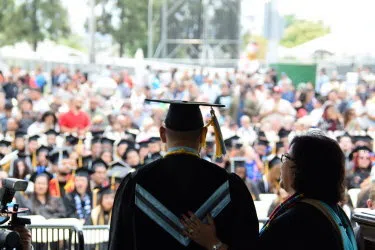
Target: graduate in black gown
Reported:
point(151, 201)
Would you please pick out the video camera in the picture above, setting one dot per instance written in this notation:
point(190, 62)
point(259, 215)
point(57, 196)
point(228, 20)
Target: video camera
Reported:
point(10, 239)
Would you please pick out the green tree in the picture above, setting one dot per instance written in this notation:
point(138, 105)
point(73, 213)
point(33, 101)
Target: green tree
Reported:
point(36, 20)
point(126, 22)
point(301, 31)
point(7, 8)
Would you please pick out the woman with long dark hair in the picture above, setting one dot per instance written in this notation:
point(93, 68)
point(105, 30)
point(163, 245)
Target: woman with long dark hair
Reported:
point(40, 202)
point(20, 169)
point(312, 173)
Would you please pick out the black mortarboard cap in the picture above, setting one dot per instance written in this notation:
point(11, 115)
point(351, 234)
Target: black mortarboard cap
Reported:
point(20, 134)
point(97, 133)
point(346, 134)
point(239, 162)
point(230, 141)
point(118, 164)
point(364, 138)
point(85, 172)
point(54, 156)
point(36, 174)
point(143, 144)
point(87, 161)
point(99, 162)
point(283, 133)
point(106, 140)
point(357, 149)
point(118, 173)
point(96, 140)
point(263, 142)
point(274, 161)
point(130, 143)
point(261, 135)
point(183, 115)
point(34, 137)
point(132, 134)
point(5, 143)
point(105, 190)
point(154, 139)
point(71, 139)
point(279, 145)
point(43, 149)
point(52, 132)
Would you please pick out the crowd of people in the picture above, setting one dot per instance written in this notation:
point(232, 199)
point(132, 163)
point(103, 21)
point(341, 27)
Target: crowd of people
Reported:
point(74, 141)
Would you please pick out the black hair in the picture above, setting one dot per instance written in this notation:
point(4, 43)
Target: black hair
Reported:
point(319, 169)
point(16, 173)
point(49, 113)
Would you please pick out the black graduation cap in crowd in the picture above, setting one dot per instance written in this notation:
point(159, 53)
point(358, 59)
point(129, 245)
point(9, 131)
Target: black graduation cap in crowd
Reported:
point(154, 139)
point(357, 149)
point(144, 144)
point(230, 141)
point(99, 163)
point(132, 134)
point(279, 145)
point(105, 190)
point(262, 135)
point(95, 140)
point(183, 115)
point(52, 132)
point(20, 134)
point(86, 161)
point(5, 143)
point(130, 143)
point(106, 140)
point(85, 172)
point(118, 164)
point(273, 162)
point(71, 139)
point(22, 155)
point(43, 149)
point(239, 162)
point(263, 142)
point(282, 133)
point(45, 173)
point(54, 155)
point(118, 173)
point(1, 156)
point(97, 133)
point(33, 138)
point(346, 134)
point(362, 138)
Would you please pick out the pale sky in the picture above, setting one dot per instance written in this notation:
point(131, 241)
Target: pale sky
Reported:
point(341, 15)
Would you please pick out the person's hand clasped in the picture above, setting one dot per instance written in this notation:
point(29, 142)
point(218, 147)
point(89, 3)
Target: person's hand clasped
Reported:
point(203, 234)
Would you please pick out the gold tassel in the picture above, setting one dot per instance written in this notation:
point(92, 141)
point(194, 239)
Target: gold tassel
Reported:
point(113, 182)
point(266, 168)
point(6, 166)
point(274, 150)
point(34, 162)
point(95, 197)
point(219, 142)
point(79, 145)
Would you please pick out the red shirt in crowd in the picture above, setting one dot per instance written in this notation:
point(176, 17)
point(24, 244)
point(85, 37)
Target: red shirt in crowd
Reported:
point(70, 120)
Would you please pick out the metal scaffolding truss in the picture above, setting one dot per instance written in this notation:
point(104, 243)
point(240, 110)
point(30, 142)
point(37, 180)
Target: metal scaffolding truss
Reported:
point(203, 44)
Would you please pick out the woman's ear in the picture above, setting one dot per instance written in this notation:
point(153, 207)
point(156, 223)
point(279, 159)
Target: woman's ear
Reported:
point(163, 136)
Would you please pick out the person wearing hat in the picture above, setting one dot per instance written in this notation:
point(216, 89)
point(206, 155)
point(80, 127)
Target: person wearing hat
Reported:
point(143, 151)
point(132, 158)
point(240, 170)
point(362, 159)
point(20, 141)
point(99, 176)
point(40, 202)
point(79, 202)
point(32, 147)
point(42, 160)
point(118, 172)
point(96, 147)
point(271, 178)
point(122, 146)
point(51, 136)
point(102, 213)
point(154, 150)
point(346, 144)
point(178, 183)
point(63, 182)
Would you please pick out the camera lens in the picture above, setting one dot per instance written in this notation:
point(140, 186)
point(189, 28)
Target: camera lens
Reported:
point(9, 239)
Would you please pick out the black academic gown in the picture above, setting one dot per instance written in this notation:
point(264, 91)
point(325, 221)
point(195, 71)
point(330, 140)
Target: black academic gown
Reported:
point(301, 227)
point(181, 183)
